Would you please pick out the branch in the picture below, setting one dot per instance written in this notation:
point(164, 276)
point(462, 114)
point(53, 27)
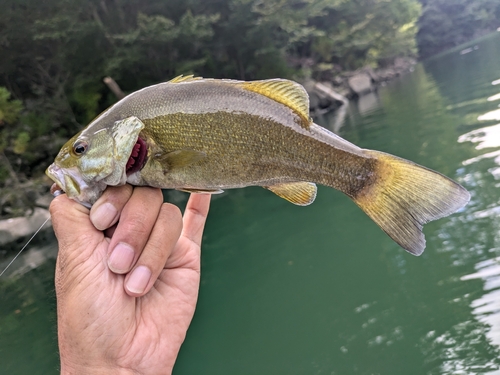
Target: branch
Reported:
point(113, 86)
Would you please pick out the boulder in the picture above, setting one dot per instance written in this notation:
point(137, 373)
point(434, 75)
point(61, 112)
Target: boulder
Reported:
point(327, 91)
point(322, 96)
point(360, 83)
point(19, 227)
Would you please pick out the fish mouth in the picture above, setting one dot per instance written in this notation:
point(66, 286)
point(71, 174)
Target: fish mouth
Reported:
point(74, 186)
point(56, 174)
point(137, 157)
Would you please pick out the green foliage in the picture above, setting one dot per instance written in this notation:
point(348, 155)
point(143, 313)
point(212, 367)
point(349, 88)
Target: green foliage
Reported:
point(60, 50)
point(445, 24)
point(20, 143)
point(361, 32)
point(9, 109)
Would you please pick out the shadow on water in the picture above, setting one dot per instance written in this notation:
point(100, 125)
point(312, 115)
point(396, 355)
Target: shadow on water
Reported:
point(320, 289)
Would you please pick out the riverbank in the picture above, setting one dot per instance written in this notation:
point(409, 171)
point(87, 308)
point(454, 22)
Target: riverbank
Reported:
point(333, 91)
point(30, 200)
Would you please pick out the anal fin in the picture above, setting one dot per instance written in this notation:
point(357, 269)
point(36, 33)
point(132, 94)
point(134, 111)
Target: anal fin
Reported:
point(299, 193)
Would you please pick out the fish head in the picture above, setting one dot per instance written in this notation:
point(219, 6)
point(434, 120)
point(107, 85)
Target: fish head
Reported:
point(96, 157)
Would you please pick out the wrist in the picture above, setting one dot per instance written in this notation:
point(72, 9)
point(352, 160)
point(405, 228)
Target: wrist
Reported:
point(67, 369)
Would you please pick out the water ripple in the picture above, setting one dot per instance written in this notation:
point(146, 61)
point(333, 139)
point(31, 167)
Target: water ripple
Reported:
point(487, 307)
point(485, 137)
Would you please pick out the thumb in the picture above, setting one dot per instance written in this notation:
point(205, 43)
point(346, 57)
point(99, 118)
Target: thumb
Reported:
point(72, 226)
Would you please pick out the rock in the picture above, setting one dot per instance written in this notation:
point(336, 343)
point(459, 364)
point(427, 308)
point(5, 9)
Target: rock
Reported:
point(33, 257)
point(322, 96)
point(44, 200)
point(327, 91)
point(373, 75)
point(360, 83)
point(19, 227)
point(314, 101)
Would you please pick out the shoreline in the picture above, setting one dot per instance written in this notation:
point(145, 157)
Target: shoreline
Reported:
point(332, 95)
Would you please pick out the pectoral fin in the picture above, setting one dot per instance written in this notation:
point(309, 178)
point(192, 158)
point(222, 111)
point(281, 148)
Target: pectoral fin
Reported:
point(299, 193)
point(182, 158)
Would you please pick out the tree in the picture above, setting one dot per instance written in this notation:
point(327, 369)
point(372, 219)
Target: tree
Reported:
point(361, 32)
point(445, 24)
point(60, 50)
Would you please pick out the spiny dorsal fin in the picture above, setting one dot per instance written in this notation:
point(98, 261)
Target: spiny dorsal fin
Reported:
point(285, 92)
point(183, 78)
point(299, 193)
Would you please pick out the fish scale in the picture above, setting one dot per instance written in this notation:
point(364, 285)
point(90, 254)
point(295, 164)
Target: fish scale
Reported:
point(205, 135)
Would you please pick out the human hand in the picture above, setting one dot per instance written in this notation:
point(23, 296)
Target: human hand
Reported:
point(127, 311)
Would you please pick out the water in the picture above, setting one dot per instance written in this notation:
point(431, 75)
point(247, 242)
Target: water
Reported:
point(320, 289)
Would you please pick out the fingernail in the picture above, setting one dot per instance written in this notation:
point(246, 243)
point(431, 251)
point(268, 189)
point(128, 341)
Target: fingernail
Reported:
point(103, 216)
point(121, 258)
point(139, 280)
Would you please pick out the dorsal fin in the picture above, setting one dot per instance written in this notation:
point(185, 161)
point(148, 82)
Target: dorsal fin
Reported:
point(183, 78)
point(285, 92)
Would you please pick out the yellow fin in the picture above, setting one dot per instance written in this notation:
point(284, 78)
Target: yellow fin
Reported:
point(182, 158)
point(201, 191)
point(404, 196)
point(286, 92)
point(299, 193)
point(183, 78)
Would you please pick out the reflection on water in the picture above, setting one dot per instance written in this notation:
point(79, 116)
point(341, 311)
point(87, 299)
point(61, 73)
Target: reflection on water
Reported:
point(488, 137)
point(484, 137)
point(494, 97)
point(486, 308)
point(490, 116)
point(320, 289)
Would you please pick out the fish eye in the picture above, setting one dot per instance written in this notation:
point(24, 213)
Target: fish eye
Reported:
point(80, 147)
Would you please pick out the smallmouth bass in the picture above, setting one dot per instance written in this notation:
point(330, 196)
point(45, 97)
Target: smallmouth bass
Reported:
point(206, 135)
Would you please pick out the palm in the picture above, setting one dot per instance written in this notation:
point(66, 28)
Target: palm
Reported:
point(140, 333)
point(175, 292)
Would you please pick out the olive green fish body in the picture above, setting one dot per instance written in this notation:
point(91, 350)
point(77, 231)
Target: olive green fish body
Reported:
point(244, 150)
point(206, 135)
point(248, 139)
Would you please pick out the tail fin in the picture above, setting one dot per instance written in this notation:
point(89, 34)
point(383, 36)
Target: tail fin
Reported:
point(405, 196)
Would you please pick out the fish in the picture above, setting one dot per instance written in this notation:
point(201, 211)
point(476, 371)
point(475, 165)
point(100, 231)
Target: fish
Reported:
point(204, 135)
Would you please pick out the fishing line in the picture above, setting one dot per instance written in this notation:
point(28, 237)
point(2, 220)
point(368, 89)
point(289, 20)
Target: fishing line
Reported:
point(24, 247)
point(55, 190)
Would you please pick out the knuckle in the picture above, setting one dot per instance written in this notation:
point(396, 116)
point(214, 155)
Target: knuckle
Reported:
point(116, 195)
point(136, 228)
point(149, 194)
point(55, 207)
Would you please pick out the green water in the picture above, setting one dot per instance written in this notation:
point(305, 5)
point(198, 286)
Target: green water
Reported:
point(320, 289)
